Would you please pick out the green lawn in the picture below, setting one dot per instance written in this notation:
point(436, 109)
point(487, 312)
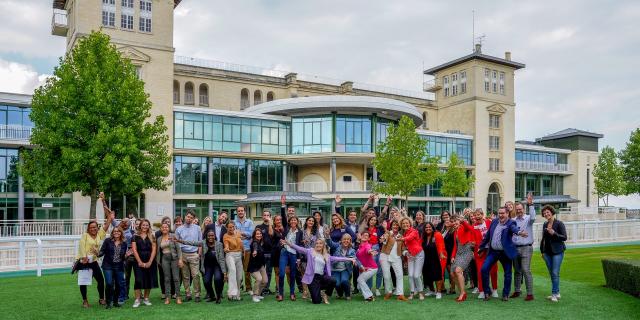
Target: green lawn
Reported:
point(583, 297)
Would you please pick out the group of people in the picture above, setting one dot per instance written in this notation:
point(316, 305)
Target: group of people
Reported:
point(317, 258)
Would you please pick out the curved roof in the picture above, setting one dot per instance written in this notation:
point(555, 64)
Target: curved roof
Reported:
point(338, 103)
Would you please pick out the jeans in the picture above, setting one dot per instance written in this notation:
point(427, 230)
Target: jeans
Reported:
point(492, 257)
point(343, 285)
point(213, 276)
point(128, 267)
point(114, 281)
point(379, 275)
point(522, 264)
point(554, 261)
point(287, 259)
point(415, 272)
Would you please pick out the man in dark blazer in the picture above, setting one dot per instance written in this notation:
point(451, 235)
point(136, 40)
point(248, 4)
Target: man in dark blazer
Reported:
point(219, 227)
point(498, 245)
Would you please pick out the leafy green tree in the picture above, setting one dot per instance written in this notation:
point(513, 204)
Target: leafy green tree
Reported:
point(455, 182)
point(630, 161)
point(92, 128)
point(402, 161)
point(608, 175)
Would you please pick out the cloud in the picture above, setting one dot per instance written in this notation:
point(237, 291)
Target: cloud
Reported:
point(19, 78)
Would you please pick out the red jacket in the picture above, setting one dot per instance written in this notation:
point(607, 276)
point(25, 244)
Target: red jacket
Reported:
point(464, 234)
point(412, 241)
point(479, 230)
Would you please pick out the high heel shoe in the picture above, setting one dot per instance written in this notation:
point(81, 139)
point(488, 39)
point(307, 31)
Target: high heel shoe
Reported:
point(462, 297)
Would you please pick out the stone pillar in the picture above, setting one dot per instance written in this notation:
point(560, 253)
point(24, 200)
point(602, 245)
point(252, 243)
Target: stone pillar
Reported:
point(285, 187)
point(333, 175)
point(249, 168)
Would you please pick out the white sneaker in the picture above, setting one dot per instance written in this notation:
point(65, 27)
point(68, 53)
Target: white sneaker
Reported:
point(429, 293)
point(475, 290)
point(558, 296)
point(481, 295)
point(136, 303)
point(438, 295)
point(494, 294)
point(256, 299)
point(260, 297)
point(554, 298)
point(378, 293)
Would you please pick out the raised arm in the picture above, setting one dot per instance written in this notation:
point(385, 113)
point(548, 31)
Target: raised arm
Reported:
point(365, 206)
point(283, 211)
point(532, 209)
point(338, 208)
point(298, 248)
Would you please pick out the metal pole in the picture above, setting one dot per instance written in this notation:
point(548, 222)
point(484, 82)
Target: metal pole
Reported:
point(39, 258)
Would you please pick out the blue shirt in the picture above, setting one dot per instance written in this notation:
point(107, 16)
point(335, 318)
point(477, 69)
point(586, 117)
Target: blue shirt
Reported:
point(496, 237)
point(188, 232)
point(246, 228)
point(525, 223)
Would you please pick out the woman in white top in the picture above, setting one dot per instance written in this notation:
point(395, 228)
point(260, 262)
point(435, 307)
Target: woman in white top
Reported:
point(391, 257)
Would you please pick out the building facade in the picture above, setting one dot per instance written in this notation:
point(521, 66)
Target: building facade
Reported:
point(239, 132)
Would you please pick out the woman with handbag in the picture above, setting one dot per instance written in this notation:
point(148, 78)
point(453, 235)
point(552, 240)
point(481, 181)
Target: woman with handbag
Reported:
point(88, 257)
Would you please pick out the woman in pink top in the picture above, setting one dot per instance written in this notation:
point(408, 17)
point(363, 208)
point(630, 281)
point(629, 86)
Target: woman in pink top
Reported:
point(368, 266)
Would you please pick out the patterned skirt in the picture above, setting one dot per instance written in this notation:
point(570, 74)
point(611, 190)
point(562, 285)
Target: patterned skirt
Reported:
point(464, 255)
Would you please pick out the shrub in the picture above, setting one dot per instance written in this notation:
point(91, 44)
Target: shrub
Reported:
point(623, 275)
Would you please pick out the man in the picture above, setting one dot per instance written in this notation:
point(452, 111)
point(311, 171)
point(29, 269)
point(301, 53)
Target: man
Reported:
point(524, 246)
point(266, 228)
point(219, 227)
point(480, 228)
point(190, 263)
point(129, 259)
point(499, 245)
point(245, 227)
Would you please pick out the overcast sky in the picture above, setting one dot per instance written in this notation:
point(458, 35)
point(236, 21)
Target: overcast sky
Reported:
point(582, 57)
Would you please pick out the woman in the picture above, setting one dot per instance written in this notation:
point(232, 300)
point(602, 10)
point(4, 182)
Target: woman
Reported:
point(317, 274)
point(444, 217)
point(288, 255)
point(158, 234)
point(368, 266)
point(317, 215)
point(435, 259)
point(480, 228)
point(419, 221)
point(375, 235)
point(462, 253)
point(415, 256)
point(257, 264)
point(168, 255)
point(113, 252)
point(233, 250)
point(449, 240)
point(212, 264)
point(341, 271)
point(339, 229)
point(177, 222)
point(144, 251)
point(552, 246)
point(205, 222)
point(88, 257)
point(391, 257)
point(471, 273)
point(511, 208)
point(278, 234)
point(310, 235)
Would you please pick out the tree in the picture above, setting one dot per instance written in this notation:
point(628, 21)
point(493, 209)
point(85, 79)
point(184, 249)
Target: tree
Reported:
point(402, 161)
point(91, 128)
point(455, 182)
point(630, 160)
point(608, 175)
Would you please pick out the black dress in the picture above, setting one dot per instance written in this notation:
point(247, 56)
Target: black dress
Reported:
point(431, 270)
point(448, 244)
point(256, 263)
point(146, 278)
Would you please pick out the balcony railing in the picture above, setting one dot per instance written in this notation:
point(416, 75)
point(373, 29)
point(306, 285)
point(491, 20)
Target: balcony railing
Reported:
point(542, 166)
point(59, 24)
point(353, 186)
point(15, 132)
point(315, 187)
point(430, 86)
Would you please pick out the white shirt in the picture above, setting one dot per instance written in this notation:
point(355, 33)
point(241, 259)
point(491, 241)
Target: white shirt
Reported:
point(393, 255)
point(318, 264)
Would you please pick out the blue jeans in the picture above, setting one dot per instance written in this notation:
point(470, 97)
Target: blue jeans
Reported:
point(343, 286)
point(379, 275)
point(115, 284)
point(554, 261)
point(287, 259)
point(492, 257)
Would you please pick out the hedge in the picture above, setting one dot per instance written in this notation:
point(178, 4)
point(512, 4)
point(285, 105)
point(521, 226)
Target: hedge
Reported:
point(623, 275)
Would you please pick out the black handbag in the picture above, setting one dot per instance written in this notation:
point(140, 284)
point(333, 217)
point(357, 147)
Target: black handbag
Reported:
point(75, 267)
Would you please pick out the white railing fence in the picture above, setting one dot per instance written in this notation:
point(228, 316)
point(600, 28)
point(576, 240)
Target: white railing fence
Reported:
point(47, 252)
point(34, 228)
point(542, 166)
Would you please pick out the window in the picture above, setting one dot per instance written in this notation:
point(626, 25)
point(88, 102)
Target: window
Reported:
point(353, 134)
point(494, 164)
point(494, 121)
point(244, 99)
point(312, 134)
point(145, 16)
point(108, 13)
point(443, 147)
point(203, 92)
point(188, 93)
point(257, 97)
point(445, 84)
point(382, 129)
point(494, 81)
point(145, 24)
point(138, 72)
point(145, 5)
point(494, 143)
point(463, 82)
point(176, 92)
point(127, 4)
point(126, 22)
point(266, 175)
point(487, 86)
point(8, 170)
point(111, 2)
point(347, 178)
point(425, 120)
point(190, 175)
point(270, 96)
point(454, 84)
point(501, 82)
point(229, 176)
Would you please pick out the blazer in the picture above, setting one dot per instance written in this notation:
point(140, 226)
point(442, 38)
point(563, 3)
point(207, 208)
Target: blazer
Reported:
point(309, 272)
point(506, 238)
point(464, 234)
point(220, 255)
point(212, 226)
point(556, 240)
point(108, 251)
point(412, 241)
point(388, 245)
point(176, 253)
point(285, 224)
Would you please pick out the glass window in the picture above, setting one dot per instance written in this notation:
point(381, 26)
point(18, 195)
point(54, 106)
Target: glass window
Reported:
point(454, 84)
point(229, 176)
point(312, 134)
point(190, 175)
point(443, 147)
point(266, 175)
point(487, 86)
point(494, 143)
point(353, 134)
point(126, 22)
point(445, 84)
point(8, 170)
point(501, 82)
point(494, 81)
point(463, 82)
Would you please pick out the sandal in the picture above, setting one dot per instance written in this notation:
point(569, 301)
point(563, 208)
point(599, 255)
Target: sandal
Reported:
point(85, 304)
point(293, 297)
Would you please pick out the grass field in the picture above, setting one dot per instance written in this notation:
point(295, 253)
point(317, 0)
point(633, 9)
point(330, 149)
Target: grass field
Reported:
point(583, 297)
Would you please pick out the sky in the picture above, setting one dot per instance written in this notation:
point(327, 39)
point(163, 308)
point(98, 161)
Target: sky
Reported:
point(581, 56)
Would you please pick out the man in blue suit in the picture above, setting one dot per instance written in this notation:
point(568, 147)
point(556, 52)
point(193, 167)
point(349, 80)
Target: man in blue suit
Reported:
point(499, 246)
